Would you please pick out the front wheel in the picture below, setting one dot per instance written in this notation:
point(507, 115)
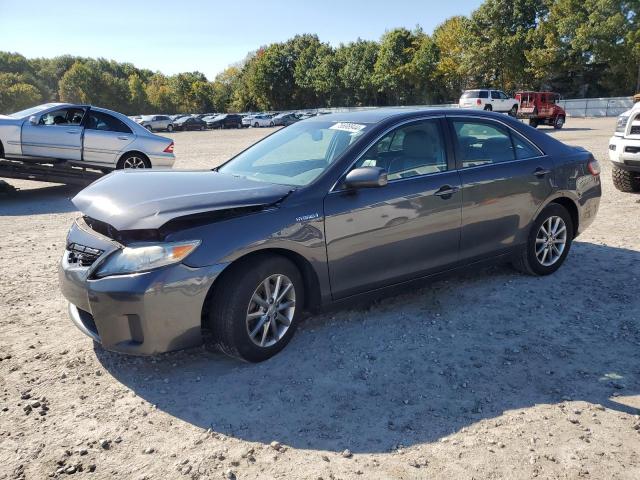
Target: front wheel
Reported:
point(625, 181)
point(170, 128)
point(514, 111)
point(548, 243)
point(256, 125)
point(533, 122)
point(149, 127)
point(255, 310)
point(558, 123)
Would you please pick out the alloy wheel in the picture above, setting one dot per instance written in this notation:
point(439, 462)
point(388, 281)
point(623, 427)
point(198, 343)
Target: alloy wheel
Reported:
point(271, 309)
point(134, 162)
point(551, 241)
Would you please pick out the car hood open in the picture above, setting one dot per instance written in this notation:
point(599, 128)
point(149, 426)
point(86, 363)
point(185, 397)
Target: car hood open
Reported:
point(131, 200)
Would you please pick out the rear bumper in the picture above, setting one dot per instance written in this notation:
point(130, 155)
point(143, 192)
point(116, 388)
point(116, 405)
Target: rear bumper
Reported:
point(162, 160)
point(625, 153)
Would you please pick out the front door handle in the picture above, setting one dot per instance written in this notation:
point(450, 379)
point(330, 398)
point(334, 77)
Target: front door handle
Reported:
point(73, 131)
point(123, 137)
point(541, 172)
point(446, 191)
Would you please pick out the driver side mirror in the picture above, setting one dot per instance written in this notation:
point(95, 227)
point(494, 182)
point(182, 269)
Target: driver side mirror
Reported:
point(33, 120)
point(366, 177)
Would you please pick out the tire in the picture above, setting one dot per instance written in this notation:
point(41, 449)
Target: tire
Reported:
point(533, 122)
point(133, 158)
point(149, 127)
point(529, 260)
point(169, 128)
point(271, 124)
point(488, 108)
point(256, 125)
point(558, 122)
point(625, 181)
point(227, 327)
point(239, 125)
point(514, 111)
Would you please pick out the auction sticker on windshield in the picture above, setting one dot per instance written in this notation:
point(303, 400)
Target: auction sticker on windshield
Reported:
point(347, 127)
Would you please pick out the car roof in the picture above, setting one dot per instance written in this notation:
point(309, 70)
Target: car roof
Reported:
point(376, 115)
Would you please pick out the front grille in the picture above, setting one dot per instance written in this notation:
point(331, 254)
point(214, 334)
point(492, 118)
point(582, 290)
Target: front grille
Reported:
point(83, 255)
point(635, 130)
point(632, 149)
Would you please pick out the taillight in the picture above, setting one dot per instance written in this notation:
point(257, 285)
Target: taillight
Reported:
point(478, 102)
point(594, 167)
point(169, 149)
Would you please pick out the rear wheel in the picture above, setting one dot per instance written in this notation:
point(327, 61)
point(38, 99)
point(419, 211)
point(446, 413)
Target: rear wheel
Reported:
point(625, 181)
point(256, 125)
point(548, 243)
point(533, 122)
point(255, 310)
point(239, 125)
point(488, 108)
point(133, 160)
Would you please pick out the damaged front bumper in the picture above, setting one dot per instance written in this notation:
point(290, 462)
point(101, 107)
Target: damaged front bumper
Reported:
point(143, 313)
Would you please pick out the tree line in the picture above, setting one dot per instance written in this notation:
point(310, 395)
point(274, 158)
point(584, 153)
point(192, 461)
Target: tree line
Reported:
point(579, 48)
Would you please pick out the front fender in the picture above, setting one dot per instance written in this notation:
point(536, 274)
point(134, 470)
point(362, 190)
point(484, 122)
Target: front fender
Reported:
point(295, 228)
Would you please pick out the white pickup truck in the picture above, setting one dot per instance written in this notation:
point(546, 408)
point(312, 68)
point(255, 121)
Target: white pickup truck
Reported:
point(624, 151)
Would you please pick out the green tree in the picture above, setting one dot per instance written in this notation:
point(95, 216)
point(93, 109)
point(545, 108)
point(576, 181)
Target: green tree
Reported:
point(452, 39)
point(356, 63)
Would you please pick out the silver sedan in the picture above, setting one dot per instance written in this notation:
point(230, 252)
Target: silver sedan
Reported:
point(81, 135)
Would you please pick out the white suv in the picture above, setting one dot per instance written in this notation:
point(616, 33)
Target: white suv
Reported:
point(624, 151)
point(486, 99)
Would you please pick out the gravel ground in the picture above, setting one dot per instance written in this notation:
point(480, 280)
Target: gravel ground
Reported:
point(484, 375)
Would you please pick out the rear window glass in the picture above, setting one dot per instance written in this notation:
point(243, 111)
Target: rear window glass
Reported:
point(476, 94)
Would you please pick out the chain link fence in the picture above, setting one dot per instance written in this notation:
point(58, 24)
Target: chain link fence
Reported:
point(578, 107)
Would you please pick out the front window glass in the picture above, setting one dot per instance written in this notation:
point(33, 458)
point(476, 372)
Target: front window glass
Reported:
point(295, 155)
point(64, 116)
point(409, 151)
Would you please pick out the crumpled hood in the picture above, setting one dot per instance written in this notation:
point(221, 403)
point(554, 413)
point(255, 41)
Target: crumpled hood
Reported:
point(141, 199)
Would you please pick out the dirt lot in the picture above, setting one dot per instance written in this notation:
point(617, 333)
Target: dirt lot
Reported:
point(485, 375)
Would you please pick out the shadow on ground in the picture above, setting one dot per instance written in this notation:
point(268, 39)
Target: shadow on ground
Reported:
point(38, 201)
point(416, 367)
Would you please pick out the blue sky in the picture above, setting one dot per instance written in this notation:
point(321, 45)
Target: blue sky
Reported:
point(207, 36)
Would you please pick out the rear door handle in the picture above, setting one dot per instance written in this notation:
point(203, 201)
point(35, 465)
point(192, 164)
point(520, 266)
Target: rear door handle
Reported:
point(541, 172)
point(123, 137)
point(446, 191)
point(73, 131)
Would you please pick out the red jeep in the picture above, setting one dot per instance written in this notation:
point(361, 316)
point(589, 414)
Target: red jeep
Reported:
point(541, 108)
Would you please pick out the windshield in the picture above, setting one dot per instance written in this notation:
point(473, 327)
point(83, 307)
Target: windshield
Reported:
point(31, 111)
point(295, 155)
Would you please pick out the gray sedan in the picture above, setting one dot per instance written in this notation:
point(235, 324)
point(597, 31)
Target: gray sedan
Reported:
point(81, 135)
point(328, 209)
